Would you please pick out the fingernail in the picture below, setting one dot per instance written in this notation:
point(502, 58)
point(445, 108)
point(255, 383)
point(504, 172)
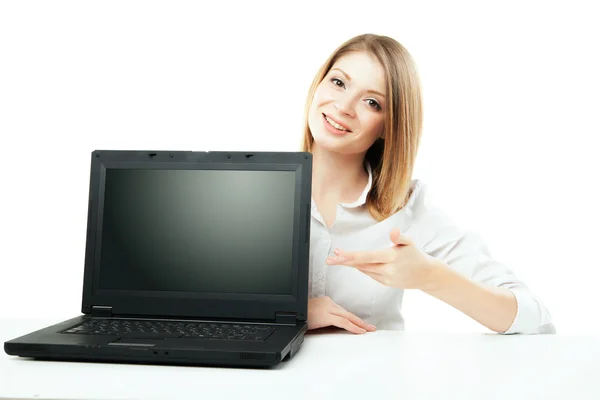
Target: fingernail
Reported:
point(363, 331)
point(372, 327)
point(330, 261)
point(337, 252)
point(340, 258)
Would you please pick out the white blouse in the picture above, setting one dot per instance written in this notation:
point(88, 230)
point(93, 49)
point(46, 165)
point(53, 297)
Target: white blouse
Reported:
point(355, 229)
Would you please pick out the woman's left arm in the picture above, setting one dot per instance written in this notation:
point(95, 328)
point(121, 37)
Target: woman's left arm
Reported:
point(465, 276)
point(499, 309)
point(455, 267)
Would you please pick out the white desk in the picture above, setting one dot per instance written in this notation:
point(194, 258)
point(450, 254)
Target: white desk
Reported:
point(380, 365)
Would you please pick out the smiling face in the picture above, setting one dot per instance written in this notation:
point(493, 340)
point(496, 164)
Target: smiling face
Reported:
point(347, 112)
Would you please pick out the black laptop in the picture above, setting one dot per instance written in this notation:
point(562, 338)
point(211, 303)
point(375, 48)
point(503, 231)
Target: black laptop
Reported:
point(192, 258)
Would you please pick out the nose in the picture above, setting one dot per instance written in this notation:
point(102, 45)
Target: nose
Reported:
point(344, 106)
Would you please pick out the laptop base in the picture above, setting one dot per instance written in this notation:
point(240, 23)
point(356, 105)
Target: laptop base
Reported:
point(51, 345)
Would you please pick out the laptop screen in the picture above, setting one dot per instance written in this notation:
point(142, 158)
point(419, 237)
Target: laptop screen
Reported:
point(208, 231)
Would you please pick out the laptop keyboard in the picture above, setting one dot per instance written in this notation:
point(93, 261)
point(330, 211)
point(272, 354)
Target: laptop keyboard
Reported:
point(170, 329)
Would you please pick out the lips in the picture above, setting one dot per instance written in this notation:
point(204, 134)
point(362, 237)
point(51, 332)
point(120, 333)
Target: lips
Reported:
point(337, 122)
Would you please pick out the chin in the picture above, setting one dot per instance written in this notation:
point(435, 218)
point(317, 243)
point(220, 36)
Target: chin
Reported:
point(334, 146)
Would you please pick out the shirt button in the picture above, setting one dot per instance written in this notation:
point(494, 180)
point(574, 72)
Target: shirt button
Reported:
point(320, 275)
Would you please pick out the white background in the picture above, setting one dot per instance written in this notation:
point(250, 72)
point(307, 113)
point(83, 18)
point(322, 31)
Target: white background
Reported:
point(510, 139)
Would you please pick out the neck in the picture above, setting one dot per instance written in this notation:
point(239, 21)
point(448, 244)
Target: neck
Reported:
point(338, 176)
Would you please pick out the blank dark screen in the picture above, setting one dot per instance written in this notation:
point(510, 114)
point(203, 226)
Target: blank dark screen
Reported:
point(198, 230)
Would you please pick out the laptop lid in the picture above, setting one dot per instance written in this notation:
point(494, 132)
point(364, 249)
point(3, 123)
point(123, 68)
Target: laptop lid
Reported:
point(221, 235)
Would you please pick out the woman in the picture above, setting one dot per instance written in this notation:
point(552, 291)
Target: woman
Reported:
point(373, 233)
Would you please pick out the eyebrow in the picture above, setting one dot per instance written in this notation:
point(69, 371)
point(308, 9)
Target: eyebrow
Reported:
point(350, 79)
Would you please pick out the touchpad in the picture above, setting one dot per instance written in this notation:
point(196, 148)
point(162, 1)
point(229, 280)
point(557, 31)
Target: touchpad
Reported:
point(136, 342)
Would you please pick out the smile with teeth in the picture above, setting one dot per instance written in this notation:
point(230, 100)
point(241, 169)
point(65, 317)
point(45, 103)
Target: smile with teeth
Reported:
point(335, 124)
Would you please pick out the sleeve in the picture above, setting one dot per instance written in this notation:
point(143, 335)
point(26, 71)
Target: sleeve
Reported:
point(466, 252)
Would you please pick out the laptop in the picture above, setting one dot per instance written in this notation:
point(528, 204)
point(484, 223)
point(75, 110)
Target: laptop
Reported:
point(192, 258)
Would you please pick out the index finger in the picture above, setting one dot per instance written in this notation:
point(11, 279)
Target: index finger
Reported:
point(366, 257)
point(354, 319)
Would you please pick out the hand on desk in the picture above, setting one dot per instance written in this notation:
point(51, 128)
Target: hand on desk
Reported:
point(322, 312)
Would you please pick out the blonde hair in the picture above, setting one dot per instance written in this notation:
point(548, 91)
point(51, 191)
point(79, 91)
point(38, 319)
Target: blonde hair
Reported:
point(392, 158)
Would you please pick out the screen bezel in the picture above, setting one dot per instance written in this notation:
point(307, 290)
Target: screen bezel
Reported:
point(200, 305)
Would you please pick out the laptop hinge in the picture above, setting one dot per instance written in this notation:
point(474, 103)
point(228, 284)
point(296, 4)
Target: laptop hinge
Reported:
point(101, 311)
point(286, 318)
